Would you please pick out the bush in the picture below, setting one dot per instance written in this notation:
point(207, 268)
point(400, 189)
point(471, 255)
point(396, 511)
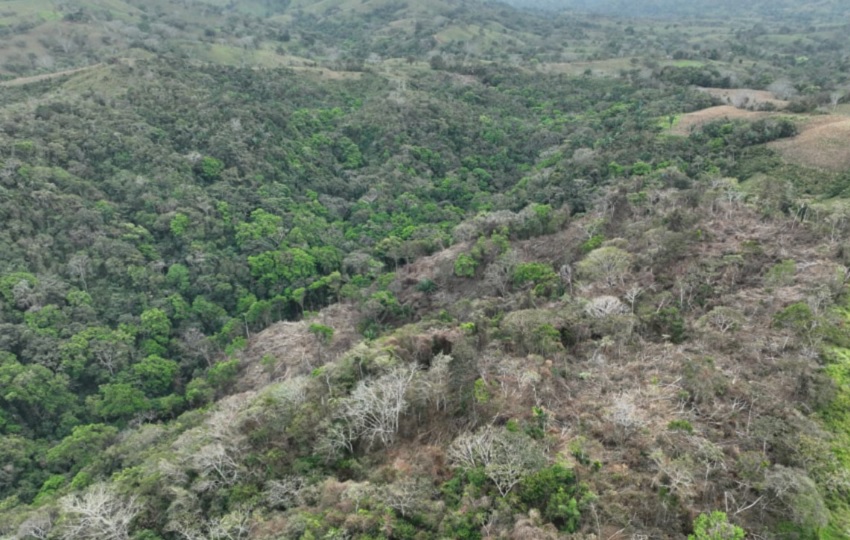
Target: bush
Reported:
point(680, 425)
point(715, 526)
point(465, 266)
point(668, 322)
point(554, 491)
point(223, 373)
point(426, 286)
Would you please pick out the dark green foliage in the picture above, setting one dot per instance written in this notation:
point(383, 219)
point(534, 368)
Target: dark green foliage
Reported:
point(119, 402)
point(555, 492)
point(223, 373)
point(736, 135)
point(426, 286)
point(668, 322)
point(156, 375)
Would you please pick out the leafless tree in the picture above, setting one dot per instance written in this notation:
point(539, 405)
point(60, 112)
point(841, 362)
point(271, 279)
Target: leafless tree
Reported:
point(194, 343)
point(112, 355)
point(336, 439)
point(566, 275)
point(79, 267)
point(285, 492)
point(632, 296)
point(37, 526)
point(24, 295)
point(835, 98)
point(439, 380)
point(605, 306)
point(500, 272)
point(723, 319)
point(217, 464)
point(98, 514)
point(406, 495)
point(674, 474)
point(214, 450)
point(505, 456)
point(375, 406)
point(233, 526)
point(625, 416)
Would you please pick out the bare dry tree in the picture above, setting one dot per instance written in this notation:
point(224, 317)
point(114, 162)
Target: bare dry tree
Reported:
point(37, 526)
point(375, 406)
point(99, 513)
point(505, 456)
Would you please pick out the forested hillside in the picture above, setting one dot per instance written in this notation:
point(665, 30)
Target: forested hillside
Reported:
point(400, 270)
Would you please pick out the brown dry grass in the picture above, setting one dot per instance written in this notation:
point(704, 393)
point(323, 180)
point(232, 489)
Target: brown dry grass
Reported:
point(823, 143)
point(294, 349)
point(745, 97)
point(689, 122)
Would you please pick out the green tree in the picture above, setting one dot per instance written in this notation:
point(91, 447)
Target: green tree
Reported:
point(84, 445)
point(465, 266)
point(35, 396)
point(178, 277)
point(282, 270)
point(156, 375)
point(210, 168)
point(179, 224)
point(119, 401)
point(156, 325)
point(324, 334)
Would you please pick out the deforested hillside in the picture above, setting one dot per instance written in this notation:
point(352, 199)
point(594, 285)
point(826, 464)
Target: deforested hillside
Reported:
point(398, 270)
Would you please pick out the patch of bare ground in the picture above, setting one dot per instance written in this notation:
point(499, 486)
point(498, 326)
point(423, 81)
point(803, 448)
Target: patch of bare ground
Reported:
point(691, 121)
point(291, 349)
point(745, 98)
point(823, 143)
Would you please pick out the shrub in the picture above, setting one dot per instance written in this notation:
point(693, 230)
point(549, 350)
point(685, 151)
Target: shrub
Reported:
point(715, 526)
point(680, 425)
point(465, 266)
point(426, 286)
point(554, 491)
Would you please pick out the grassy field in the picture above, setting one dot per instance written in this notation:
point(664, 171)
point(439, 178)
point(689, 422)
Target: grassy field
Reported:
point(822, 144)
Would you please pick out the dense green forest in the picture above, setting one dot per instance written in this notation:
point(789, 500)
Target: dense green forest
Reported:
point(387, 269)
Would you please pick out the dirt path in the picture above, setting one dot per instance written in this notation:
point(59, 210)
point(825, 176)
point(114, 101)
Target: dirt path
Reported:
point(37, 78)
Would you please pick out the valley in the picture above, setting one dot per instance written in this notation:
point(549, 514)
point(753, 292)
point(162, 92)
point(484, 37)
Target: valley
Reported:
point(379, 269)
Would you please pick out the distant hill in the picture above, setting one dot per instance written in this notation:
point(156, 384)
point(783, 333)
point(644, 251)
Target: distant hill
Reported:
point(704, 8)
